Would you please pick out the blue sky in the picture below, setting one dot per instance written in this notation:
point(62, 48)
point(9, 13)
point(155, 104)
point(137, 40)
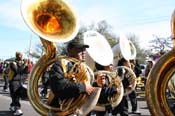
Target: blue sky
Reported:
point(144, 18)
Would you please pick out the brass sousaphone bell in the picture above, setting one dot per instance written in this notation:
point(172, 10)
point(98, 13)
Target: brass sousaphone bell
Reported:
point(159, 78)
point(125, 48)
point(99, 49)
point(54, 21)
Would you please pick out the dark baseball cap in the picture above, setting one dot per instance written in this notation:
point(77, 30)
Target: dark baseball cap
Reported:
point(77, 43)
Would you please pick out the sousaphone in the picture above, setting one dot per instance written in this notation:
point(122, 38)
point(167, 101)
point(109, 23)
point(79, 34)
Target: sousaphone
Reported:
point(158, 80)
point(54, 21)
point(125, 49)
point(100, 51)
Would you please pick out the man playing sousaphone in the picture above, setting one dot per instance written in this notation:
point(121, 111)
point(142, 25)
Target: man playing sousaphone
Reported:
point(111, 88)
point(129, 83)
point(108, 90)
point(62, 86)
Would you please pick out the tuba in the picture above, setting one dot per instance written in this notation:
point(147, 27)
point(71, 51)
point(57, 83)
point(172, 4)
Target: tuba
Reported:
point(158, 79)
point(100, 51)
point(130, 75)
point(54, 21)
point(125, 49)
point(114, 81)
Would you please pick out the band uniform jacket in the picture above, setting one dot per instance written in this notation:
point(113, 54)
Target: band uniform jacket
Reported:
point(106, 92)
point(61, 86)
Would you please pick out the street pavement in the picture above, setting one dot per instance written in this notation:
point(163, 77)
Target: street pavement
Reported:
point(5, 101)
point(28, 110)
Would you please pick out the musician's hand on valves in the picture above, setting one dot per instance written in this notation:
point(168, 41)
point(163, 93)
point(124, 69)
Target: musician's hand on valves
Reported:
point(89, 88)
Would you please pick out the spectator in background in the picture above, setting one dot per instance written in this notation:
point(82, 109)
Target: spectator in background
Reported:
point(6, 70)
point(148, 69)
point(30, 65)
point(1, 67)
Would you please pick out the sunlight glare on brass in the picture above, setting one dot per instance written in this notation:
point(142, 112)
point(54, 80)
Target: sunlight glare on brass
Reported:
point(48, 23)
point(53, 20)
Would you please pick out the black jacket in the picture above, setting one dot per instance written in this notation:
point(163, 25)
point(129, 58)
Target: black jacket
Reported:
point(19, 68)
point(61, 86)
point(106, 92)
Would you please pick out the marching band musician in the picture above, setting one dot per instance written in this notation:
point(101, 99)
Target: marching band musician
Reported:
point(61, 87)
point(122, 108)
point(133, 95)
point(19, 68)
point(102, 80)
